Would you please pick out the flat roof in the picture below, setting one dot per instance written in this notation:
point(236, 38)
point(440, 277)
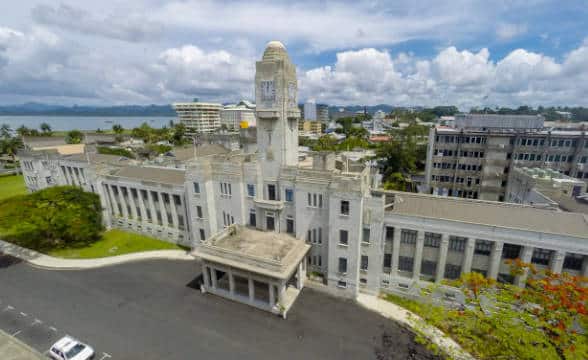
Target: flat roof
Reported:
point(155, 174)
point(490, 213)
point(266, 252)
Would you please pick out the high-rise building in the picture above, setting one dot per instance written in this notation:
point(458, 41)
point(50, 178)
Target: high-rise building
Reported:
point(310, 111)
point(474, 159)
point(322, 113)
point(238, 116)
point(199, 117)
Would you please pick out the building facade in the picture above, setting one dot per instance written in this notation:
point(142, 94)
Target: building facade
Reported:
point(322, 113)
point(474, 162)
point(199, 117)
point(238, 209)
point(238, 116)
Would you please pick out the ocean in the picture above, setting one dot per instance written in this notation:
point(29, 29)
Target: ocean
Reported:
point(84, 122)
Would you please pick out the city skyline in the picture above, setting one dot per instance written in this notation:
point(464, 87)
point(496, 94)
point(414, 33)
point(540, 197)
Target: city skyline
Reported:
point(467, 54)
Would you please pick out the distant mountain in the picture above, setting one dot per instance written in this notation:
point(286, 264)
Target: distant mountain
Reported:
point(57, 110)
point(370, 109)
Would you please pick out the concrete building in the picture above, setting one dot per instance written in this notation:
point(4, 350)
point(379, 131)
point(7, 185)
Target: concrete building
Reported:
point(260, 221)
point(238, 116)
point(474, 159)
point(310, 112)
point(310, 127)
point(199, 117)
point(322, 113)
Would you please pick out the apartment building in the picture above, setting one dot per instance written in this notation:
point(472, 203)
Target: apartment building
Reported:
point(199, 117)
point(474, 159)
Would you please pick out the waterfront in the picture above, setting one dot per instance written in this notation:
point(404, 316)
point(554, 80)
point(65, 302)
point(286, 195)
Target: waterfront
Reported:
point(59, 123)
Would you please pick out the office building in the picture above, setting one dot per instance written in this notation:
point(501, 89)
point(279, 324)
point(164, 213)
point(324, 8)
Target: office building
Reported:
point(238, 116)
point(310, 111)
point(199, 117)
point(322, 113)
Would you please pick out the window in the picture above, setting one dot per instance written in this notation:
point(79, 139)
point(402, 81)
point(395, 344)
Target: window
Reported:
point(405, 263)
point(408, 237)
point(365, 236)
point(225, 188)
point(199, 212)
point(341, 284)
point(428, 267)
point(344, 207)
point(432, 240)
point(343, 237)
point(315, 200)
point(364, 263)
point(202, 235)
point(250, 190)
point(289, 195)
point(290, 226)
point(387, 260)
point(270, 222)
point(573, 261)
point(511, 251)
point(363, 281)
point(541, 256)
point(196, 188)
point(271, 192)
point(457, 243)
point(252, 220)
point(483, 247)
point(343, 265)
point(452, 271)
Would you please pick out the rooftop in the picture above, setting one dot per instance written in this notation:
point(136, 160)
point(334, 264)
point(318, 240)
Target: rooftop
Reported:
point(154, 174)
point(496, 214)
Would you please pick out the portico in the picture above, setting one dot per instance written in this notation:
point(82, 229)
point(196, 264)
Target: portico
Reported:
point(261, 269)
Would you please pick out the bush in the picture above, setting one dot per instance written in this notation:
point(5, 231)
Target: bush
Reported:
point(115, 151)
point(52, 218)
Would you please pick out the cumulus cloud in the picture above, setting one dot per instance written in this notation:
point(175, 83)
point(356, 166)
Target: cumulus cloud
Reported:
point(122, 27)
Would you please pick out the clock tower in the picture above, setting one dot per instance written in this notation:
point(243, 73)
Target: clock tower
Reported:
point(276, 98)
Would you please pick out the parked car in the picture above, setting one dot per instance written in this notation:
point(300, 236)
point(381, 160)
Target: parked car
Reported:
point(68, 348)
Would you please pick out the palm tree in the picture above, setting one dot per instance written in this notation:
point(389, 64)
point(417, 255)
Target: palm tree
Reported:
point(11, 146)
point(5, 131)
point(118, 129)
point(46, 129)
point(23, 131)
point(74, 137)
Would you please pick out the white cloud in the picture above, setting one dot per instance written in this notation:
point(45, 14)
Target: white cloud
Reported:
point(507, 31)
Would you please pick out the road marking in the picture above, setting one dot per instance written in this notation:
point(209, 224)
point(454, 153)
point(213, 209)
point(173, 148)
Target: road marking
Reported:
point(16, 333)
point(8, 308)
point(23, 314)
point(37, 321)
point(105, 355)
point(52, 328)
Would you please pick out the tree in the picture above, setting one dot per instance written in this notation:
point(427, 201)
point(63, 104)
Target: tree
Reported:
point(10, 147)
point(5, 131)
point(178, 134)
point(46, 129)
point(23, 131)
point(118, 129)
point(74, 137)
point(325, 143)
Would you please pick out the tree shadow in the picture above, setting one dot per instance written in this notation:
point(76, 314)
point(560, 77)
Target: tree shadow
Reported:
point(7, 261)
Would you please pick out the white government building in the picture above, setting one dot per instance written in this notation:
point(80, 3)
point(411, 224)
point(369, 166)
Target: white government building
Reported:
point(260, 221)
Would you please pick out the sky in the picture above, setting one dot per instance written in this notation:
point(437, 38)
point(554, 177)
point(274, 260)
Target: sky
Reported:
point(402, 52)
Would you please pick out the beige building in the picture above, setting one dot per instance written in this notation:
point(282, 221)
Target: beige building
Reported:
point(310, 127)
point(199, 117)
point(238, 116)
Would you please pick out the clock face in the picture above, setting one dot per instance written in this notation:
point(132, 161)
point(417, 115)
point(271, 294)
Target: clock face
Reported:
point(268, 90)
point(291, 94)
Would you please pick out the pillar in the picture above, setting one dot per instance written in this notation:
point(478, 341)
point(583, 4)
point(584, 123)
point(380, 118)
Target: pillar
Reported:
point(272, 296)
point(418, 255)
point(114, 203)
point(231, 282)
point(152, 208)
point(440, 274)
point(251, 290)
point(164, 219)
point(142, 208)
point(495, 260)
point(205, 277)
point(123, 203)
point(557, 260)
point(468, 256)
point(213, 277)
point(526, 256)
point(71, 176)
point(395, 251)
point(300, 276)
point(133, 205)
point(174, 211)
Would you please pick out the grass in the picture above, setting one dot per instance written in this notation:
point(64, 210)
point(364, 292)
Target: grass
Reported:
point(115, 242)
point(11, 185)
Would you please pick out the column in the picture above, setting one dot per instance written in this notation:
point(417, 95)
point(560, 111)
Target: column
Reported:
point(300, 276)
point(526, 255)
point(231, 282)
point(142, 206)
point(213, 277)
point(133, 205)
point(272, 296)
point(251, 290)
point(418, 255)
point(557, 260)
point(440, 274)
point(152, 210)
point(395, 251)
point(164, 219)
point(174, 211)
point(468, 256)
point(115, 209)
point(123, 203)
point(71, 176)
point(495, 260)
point(205, 277)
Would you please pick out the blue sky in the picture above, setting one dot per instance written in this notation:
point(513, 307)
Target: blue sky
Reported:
point(468, 53)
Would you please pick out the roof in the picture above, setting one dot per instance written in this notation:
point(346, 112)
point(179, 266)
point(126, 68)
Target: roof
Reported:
point(490, 213)
point(43, 141)
point(275, 50)
point(96, 158)
point(154, 174)
point(187, 153)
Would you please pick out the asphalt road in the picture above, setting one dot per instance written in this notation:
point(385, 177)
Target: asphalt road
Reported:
point(148, 310)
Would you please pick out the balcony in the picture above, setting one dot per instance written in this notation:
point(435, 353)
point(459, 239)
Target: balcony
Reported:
point(273, 205)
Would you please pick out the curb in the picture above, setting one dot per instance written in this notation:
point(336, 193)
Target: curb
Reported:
point(26, 351)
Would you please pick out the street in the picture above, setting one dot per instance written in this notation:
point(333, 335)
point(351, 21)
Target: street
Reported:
point(152, 310)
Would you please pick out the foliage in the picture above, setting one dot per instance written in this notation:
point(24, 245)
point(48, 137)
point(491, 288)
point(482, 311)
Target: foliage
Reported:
point(52, 218)
point(396, 181)
point(112, 243)
point(74, 137)
point(118, 129)
point(159, 149)
point(544, 320)
point(10, 146)
point(551, 113)
point(11, 185)
point(46, 129)
point(115, 151)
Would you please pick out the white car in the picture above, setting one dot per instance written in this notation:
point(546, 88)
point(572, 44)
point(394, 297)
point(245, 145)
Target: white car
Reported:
point(68, 348)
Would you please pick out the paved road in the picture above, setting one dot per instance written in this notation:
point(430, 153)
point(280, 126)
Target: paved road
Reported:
point(148, 310)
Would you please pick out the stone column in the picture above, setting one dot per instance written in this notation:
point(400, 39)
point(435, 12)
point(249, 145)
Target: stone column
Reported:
point(526, 256)
point(272, 296)
point(557, 260)
point(144, 218)
point(395, 251)
point(440, 274)
point(133, 205)
point(251, 290)
point(164, 219)
point(174, 211)
point(71, 175)
point(205, 277)
point(468, 256)
point(152, 209)
point(213, 278)
point(418, 255)
point(299, 276)
point(123, 203)
point(495, 260)
point(113, 202)
point(231, 282)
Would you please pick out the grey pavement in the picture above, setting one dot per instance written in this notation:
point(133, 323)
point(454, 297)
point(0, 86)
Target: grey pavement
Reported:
point(152, 310)
point(13, 349)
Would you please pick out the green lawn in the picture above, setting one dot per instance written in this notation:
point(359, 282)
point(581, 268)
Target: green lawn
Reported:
point(115, 242)
point(11, 185)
